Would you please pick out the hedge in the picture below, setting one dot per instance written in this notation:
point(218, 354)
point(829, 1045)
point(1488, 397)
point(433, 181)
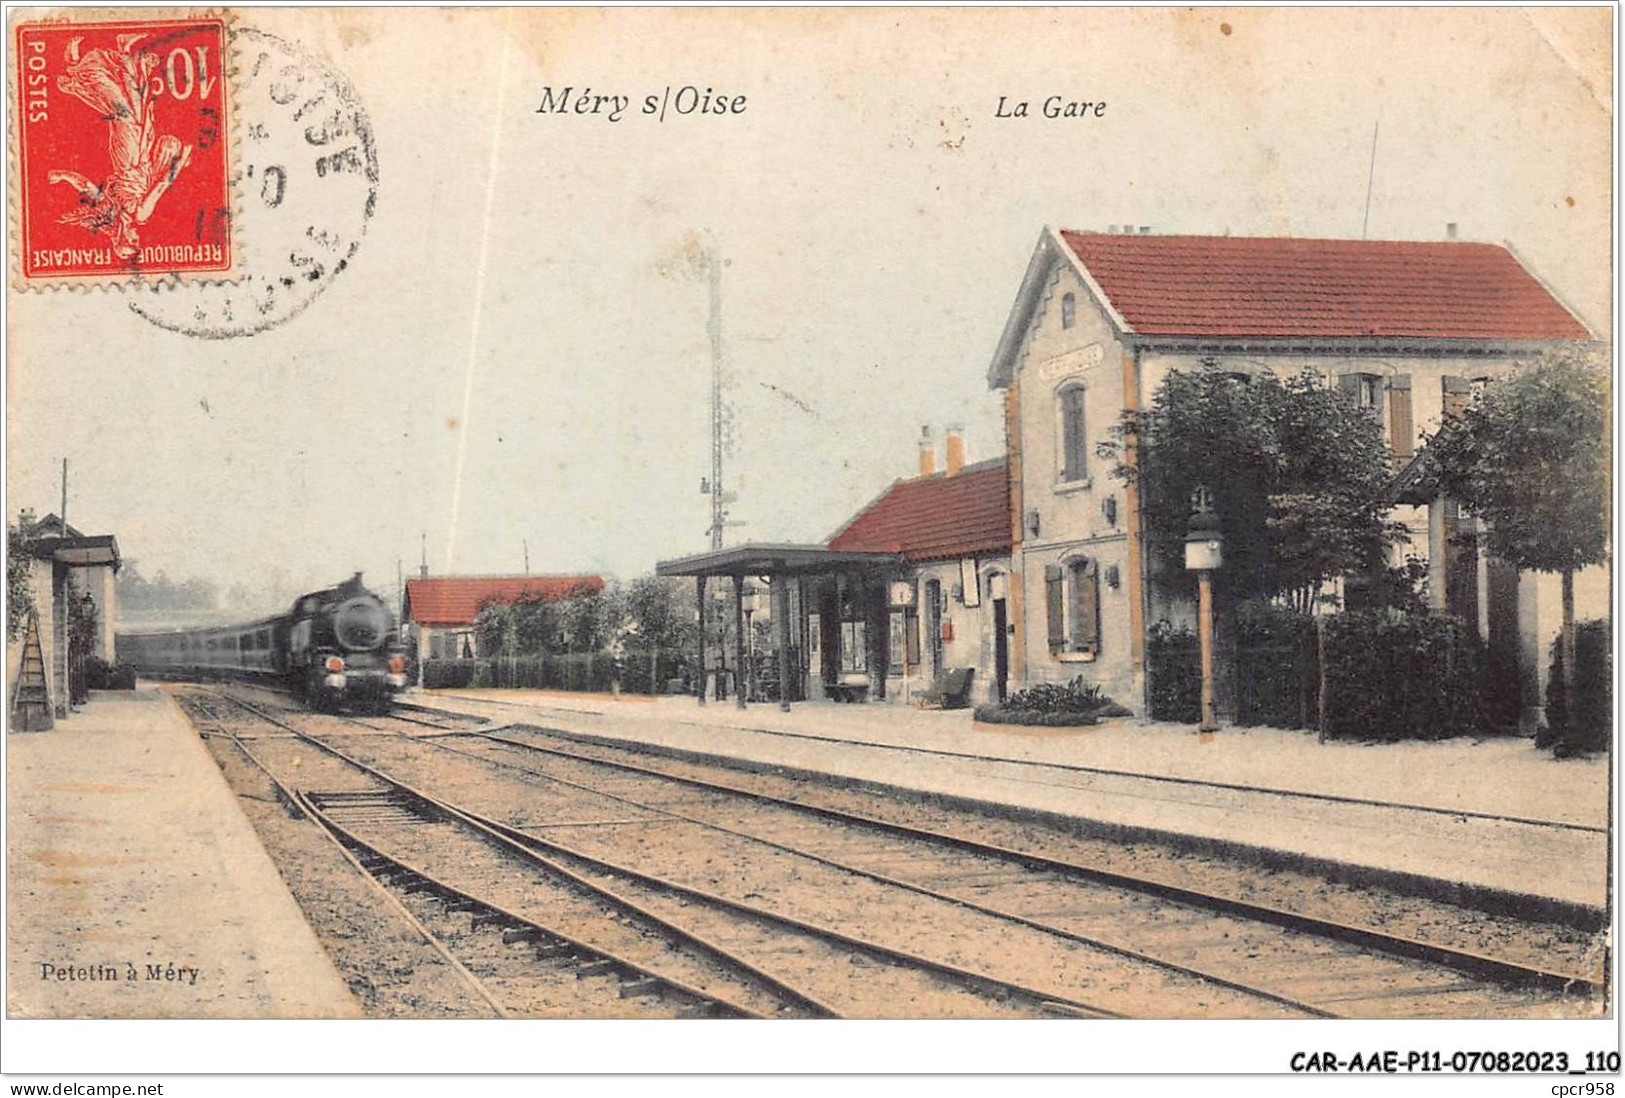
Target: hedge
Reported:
point(1390, 675)
point(1588, 728)
point(1176, 675)
point(1395, 676)
point(585, 671)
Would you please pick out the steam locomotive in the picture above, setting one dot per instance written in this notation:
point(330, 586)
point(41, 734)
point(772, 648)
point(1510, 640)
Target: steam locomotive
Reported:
point(337, 647)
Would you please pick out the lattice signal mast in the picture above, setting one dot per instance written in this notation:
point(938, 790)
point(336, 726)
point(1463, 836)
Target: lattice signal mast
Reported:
point(719, 514)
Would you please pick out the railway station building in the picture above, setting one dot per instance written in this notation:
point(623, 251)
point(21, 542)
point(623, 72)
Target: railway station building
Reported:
point(65, 565)
point(1406, 328)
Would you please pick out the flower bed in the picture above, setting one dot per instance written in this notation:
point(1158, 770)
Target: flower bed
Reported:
point(1049, 706)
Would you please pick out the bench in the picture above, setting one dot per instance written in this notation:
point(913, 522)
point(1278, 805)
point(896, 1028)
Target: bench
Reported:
point(950, 690)
point(848, 688)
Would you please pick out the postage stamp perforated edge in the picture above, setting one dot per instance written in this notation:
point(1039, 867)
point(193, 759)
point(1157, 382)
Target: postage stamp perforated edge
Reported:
point(151, 279)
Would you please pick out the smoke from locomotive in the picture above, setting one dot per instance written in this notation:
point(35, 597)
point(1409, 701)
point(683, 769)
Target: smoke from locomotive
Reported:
point(335, 647)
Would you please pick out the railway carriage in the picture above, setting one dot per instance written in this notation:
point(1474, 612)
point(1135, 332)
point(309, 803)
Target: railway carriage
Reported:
point(334, 647)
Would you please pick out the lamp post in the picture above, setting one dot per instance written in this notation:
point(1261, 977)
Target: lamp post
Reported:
point(753, 603)
point(1204, 553)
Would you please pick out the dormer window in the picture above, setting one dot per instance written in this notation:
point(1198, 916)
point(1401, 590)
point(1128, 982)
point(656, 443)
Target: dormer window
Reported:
point(1069, 310)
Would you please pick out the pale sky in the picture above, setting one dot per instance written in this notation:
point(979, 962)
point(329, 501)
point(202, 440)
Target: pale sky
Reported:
point(877, 219)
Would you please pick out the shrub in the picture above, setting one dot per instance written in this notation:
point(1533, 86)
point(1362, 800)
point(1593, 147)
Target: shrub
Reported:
point(1584, 727)
point(101, 675)
point(1394, 676)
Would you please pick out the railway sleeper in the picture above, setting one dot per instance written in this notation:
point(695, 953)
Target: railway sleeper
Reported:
point(646, 985)
point(601, 967)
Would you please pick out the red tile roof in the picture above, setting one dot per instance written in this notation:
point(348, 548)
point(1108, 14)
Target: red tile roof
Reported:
point(456, 600)
point(936, 517)
point(1282, 288)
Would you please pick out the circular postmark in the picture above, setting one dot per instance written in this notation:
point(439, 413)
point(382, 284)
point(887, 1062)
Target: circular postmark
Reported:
point(306, 186)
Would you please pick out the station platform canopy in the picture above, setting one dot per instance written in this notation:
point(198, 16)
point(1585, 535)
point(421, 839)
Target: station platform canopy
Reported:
point(769, 559)
point(80, 551)
point(785, 567)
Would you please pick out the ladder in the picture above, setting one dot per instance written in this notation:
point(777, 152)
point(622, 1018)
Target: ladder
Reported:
point(31, 697)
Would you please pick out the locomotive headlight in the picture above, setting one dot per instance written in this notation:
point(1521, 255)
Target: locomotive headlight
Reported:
point(335, 664)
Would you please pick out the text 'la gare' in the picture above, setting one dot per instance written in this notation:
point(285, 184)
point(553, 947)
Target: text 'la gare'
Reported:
point(1056, 106)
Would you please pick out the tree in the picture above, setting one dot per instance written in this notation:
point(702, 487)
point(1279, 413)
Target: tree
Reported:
point(661, 612)
point(19, 577)
point(1530, 457)
point(1298, 473)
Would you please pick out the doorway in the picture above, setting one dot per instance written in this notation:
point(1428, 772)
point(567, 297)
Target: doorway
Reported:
point(1001, 651)
point(933, 624)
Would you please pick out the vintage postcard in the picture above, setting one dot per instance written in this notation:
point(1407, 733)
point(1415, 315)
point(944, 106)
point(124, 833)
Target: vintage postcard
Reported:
point(1078, 514)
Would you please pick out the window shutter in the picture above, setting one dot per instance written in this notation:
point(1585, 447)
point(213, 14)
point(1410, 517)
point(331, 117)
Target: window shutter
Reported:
point(1349, 386)
point(1458, 391)
point(1056, 611)
point(911, 631)
point(1072, 434)
point(1089, 608)
point(1401, 424)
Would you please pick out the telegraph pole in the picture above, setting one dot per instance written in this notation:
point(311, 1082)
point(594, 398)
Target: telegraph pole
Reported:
point(64, 688)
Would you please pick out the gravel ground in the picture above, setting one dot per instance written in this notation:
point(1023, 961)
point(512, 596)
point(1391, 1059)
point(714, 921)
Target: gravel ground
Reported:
point(393, 972)
point(747, 872)
point(1443, 923)
point(1332, 975)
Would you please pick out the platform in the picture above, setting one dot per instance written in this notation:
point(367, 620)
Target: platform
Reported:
point(138, 888)
point(1496, 822)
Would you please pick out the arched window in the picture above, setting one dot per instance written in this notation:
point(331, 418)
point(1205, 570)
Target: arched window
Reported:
point(1069, 310)
point(1073, 437)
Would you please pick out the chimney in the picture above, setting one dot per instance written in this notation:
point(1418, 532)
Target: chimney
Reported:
point(1111, 230)
point(928, 452)
point(1145, 230)
point(1450, 230)
point(956, 449)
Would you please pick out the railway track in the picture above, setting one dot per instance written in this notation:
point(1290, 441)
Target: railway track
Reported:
point(1320, 965)
point(748, 959)
point(1074, 769)
point(615, 817)
point(517, 965)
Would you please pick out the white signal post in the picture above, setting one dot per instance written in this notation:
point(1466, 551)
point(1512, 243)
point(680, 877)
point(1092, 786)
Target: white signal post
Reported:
point(1204, 554)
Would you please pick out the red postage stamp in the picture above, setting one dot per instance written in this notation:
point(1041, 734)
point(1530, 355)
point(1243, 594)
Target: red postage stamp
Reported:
point(122, 147)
